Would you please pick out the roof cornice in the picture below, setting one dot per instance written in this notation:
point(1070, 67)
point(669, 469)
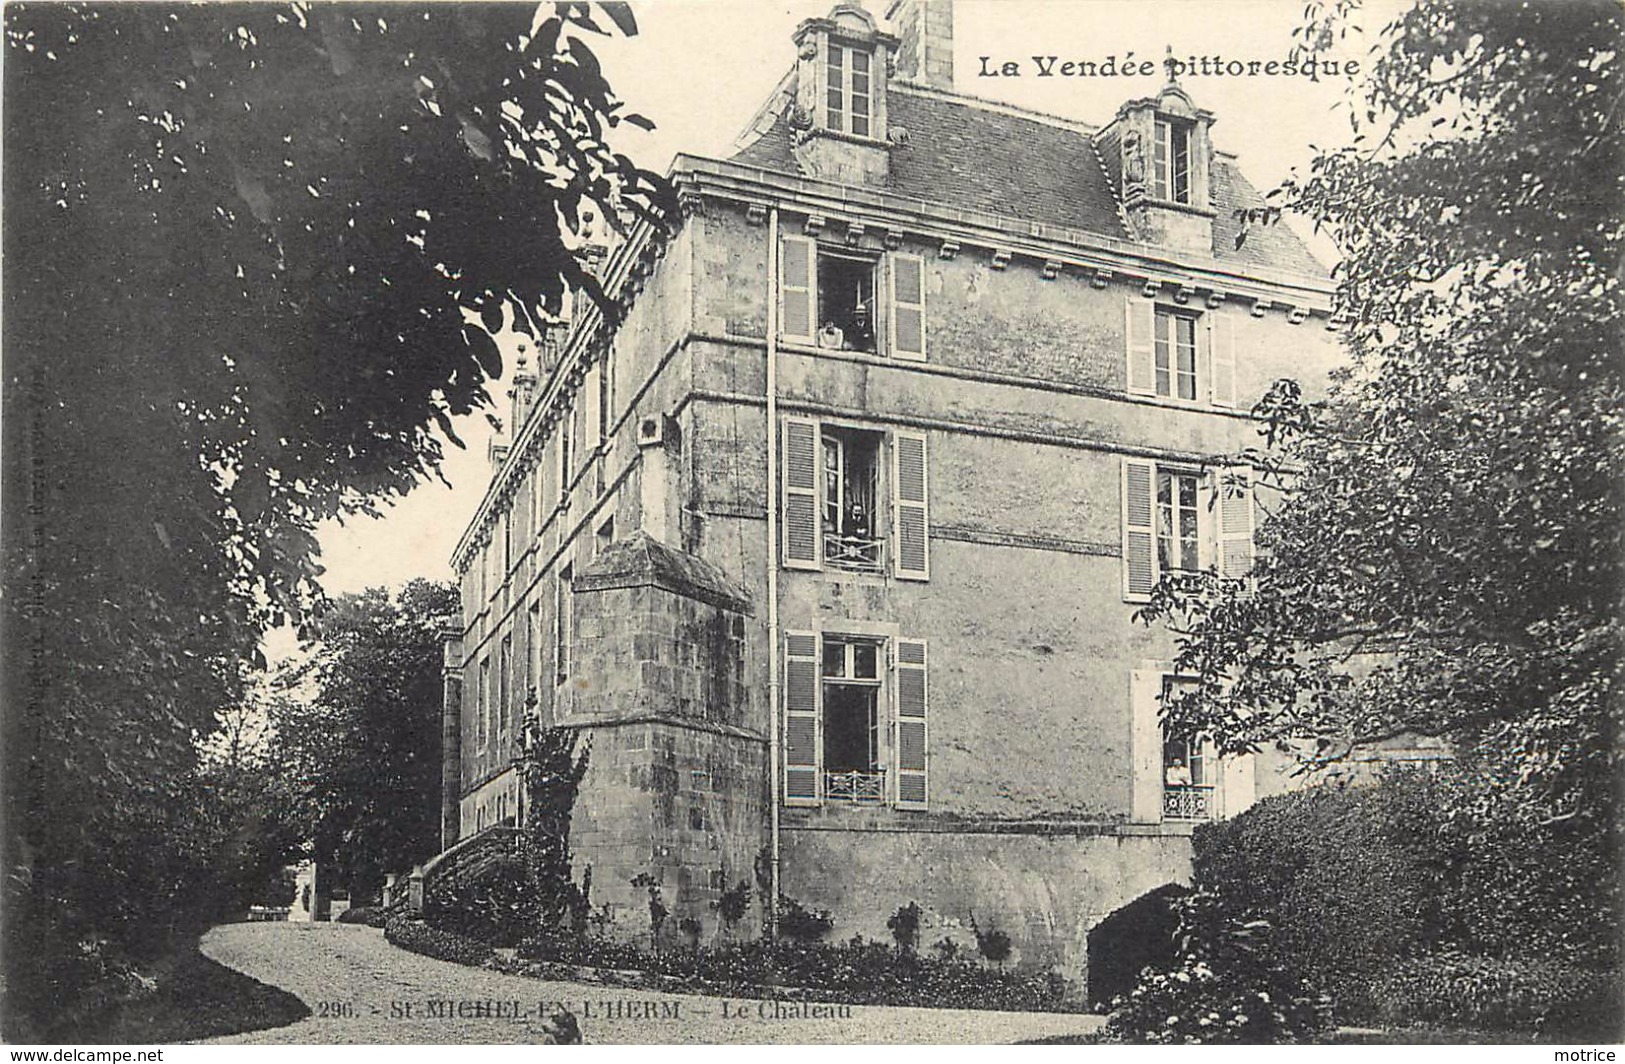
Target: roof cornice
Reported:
point(752, 185)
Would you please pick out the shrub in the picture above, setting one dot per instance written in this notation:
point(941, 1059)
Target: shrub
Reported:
point(1226, 987)
point(1358, 882)
point(800, 924)
point(657, 908)
point(947, 949)
point(419, 937)
point(1193, 1003)
point(371, 915)
point(869, 973)
point(497, 906)
point(992, 944)
point(691, 928)
point(904, 925)
point(1543, 995)
point(733, 905)
point(1346, 895)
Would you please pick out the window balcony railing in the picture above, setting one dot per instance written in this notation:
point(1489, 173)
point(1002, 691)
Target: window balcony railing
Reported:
point(1187, 802)
point(859, 788)
point(856, 553)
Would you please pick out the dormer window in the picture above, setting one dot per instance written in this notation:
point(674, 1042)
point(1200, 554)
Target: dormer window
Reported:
point(1171, 162)
point(849, 95)
point(838, 117)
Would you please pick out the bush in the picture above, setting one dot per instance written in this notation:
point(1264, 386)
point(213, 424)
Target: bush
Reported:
point(904, 925)
point(992, 944)
point(1542, 995)
point(865, 973)
point(1346, 895)
point(733, 905)
point(497, 906)
point(1358, 882)
point(1226, 987)
point(801, 924)
point(1193, 1003)
point(371, 915)
point(419, 937)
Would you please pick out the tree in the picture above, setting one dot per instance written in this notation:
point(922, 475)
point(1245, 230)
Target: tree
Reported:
point(1443, 554)
point(253, 258)
point(362, 756)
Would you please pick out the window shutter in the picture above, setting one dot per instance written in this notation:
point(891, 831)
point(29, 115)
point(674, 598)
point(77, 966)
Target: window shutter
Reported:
point(800, 510)
point(911, 524)
point(798, 277)
point(908, 307)
point(801, 740)
point(1235, 506)
point(1138, 330)
point(1222, 362)
point(1145, 685)
point(1237, 785)
point(1139, 534)
point(910, 731)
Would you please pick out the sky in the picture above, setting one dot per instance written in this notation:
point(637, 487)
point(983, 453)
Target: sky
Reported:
point(700, 69)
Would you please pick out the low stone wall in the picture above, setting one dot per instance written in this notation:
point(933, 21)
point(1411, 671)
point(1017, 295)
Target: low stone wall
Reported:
point(1044, 885)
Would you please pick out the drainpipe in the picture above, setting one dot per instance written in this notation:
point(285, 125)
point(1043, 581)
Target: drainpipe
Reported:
point(773, 566)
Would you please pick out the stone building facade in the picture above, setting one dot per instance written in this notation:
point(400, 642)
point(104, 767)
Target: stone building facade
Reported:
point(833, 549)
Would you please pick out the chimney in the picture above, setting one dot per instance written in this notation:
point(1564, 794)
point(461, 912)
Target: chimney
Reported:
point(926, 55)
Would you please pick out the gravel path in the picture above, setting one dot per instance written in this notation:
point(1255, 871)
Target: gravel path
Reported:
point(361, 989)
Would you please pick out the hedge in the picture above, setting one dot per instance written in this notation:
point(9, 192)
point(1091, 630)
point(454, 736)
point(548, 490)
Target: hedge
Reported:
point(419, 937)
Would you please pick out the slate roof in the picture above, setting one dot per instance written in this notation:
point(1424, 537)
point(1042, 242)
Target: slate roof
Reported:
point(974, 158)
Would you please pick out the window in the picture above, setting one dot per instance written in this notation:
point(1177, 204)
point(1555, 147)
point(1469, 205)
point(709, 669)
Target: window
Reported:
point(831, 499)
point(1189, 769)
point(561, 629)
point(853, 769)
point(482, 705)
point(1180, 354)
point(1171, 162)
point(533, 650)
point(605, 536)
point(567, 431)
point(1180, 518)
point(1178, 777)
point(848, 100)
point(1175, 354)
point(850, 520)
point(504, 689)
point(839, 746)
point(849, 301)
point(1178, 539)
point(846, 303)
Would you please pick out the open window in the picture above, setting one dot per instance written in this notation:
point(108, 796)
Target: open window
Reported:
point(851, 530)
point(1171, 161)
point(1180, 518)
point(1189, 769)
point(836, 485)
point(853, 749)
point(846, 302)
point(854, 731)
point(846, 299)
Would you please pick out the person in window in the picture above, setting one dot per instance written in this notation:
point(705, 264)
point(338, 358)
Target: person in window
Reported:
point(857, 521)
point(1178, 773)
point(831, 336)
point(863, 333)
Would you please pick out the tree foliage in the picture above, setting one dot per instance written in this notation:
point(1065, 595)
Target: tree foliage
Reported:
point(253, 257)
point(1443, 554)
point(362, 755)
